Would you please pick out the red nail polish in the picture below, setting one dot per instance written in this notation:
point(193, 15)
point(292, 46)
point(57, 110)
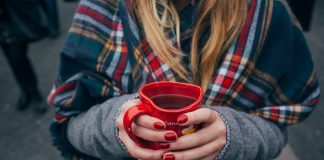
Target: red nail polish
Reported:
point(169, 157)
point(182, 119)
point(164, 146)
point(158, 125)
point(170, 137)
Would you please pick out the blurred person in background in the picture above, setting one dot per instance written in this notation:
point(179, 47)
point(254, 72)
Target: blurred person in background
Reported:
point(303, 9)
point(22, 22)
point(50, 10)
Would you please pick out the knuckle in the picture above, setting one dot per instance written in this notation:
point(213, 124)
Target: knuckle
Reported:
point(192, 115)
point(136, 130)
point(222, 142)
point(150, 156)
point(209, 150)
point(140, 120)
point(201, 138)
point(222, 129)
point(211, 114)
point(133, 152)
point(159, 137)
point(178, 145)
point(145, 121)
point(205, 110)
point(121, 136)
point(181, 156)
point(120, 124)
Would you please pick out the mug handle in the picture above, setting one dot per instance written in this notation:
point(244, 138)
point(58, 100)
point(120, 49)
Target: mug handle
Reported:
point(130, 115)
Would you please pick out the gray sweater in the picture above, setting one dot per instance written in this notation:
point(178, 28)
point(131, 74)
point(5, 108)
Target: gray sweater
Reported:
point(248, 137)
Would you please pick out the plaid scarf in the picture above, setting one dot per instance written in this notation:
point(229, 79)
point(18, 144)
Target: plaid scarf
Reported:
point(106, 55)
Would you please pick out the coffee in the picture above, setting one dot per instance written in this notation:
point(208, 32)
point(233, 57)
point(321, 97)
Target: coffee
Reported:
point(172, 101)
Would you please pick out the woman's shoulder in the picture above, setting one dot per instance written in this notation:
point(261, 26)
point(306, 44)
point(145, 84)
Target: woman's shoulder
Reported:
point(101, 13)
point(95, 23)
point(278, 50)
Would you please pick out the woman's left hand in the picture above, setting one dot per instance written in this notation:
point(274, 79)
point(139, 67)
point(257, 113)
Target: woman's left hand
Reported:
point(205, 143)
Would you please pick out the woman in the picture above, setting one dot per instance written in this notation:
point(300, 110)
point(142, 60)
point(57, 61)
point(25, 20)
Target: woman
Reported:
point(250, 57)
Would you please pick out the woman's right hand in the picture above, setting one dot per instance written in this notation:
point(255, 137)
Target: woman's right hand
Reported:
point(148, 128)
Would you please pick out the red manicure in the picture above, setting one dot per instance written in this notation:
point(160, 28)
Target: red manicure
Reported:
point(158, 125)
point(164, 146)
point(170, 137)
point(169, 157)
point(182, 119)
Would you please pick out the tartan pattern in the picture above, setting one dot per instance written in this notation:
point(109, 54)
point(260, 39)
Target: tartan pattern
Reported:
point(159, 70)
point(97, 46)
point(291, 113)
point(235, 61)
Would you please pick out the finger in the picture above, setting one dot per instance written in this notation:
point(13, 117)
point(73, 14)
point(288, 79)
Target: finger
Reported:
point(150, 122)
point(154, 135)
point(124, 108)
point(138, 152)
point(216, 130)
point(199, 137)
point(210, 157)
point(198, 152)
point(203, 115)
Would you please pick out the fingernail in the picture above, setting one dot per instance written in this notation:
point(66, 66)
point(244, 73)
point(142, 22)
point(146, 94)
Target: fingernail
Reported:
point(170, 137)
point(158, 125)
point(164, 146)
point(169, 157)
point(182, 119)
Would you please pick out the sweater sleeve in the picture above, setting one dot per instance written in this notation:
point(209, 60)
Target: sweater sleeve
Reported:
point(93, 69)
point(249, 136)
point(95, 132)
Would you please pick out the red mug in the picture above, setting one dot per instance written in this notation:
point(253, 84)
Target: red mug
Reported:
point(166, 101)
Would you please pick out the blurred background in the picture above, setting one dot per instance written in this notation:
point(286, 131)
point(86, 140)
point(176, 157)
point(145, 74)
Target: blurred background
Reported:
point(24, 134)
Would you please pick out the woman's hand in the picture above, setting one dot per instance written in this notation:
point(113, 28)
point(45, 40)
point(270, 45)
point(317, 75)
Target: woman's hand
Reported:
point(205, 143)
point(145, 127)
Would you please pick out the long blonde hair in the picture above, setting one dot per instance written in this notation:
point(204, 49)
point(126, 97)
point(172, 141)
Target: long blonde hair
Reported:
point(224, 17)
